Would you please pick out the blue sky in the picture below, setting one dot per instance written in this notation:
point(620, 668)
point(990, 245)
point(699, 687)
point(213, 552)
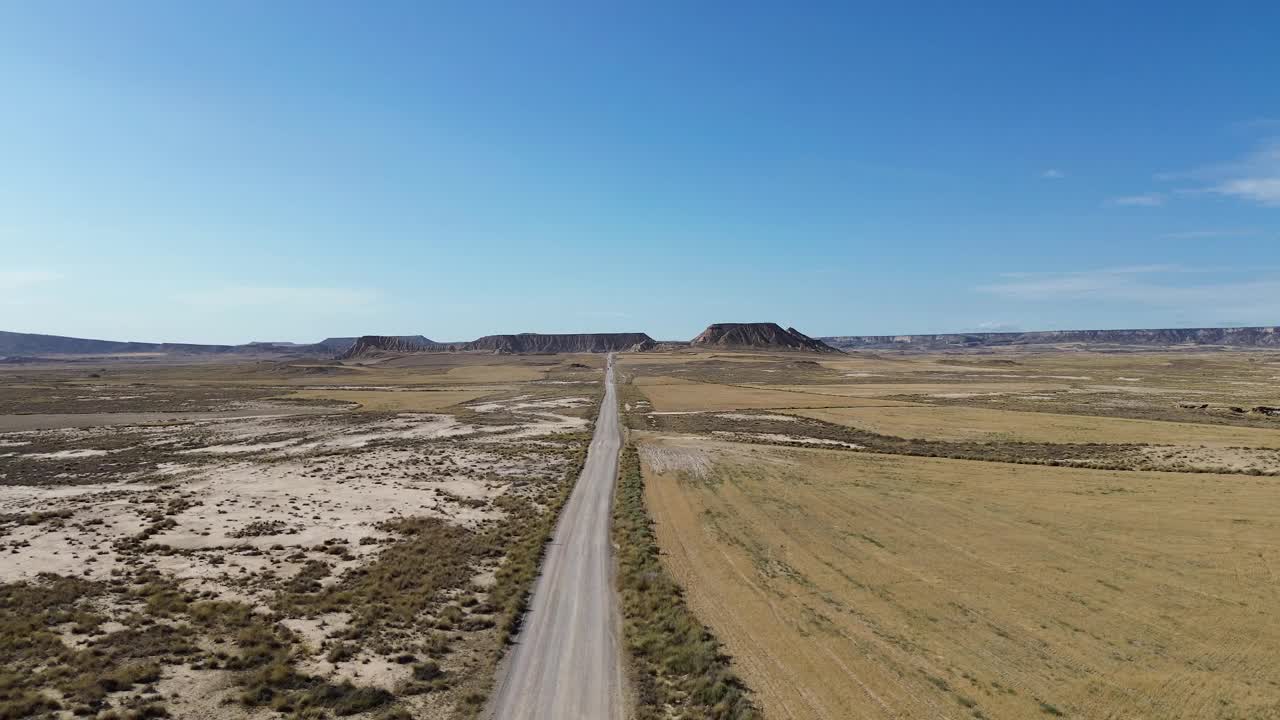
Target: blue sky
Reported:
point(235, 171)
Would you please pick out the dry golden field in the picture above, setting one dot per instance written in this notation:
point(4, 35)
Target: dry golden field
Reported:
point(861, 585)
point(962, 423)
point(855, 567)
point(686, 396)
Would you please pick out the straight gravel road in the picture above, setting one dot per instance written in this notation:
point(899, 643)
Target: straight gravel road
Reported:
point(566, 663)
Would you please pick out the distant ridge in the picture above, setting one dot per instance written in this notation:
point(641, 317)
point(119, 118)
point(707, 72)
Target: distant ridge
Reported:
point(758, 336)
point(36, 345)
point(1167, 337)
point(28, 344)
point(374, 345)
point(553, 343)
point(19, 347)
point(335, 345)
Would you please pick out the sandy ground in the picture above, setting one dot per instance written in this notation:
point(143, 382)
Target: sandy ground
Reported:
point(233, 504)
point(50, 421)
point(306, 486)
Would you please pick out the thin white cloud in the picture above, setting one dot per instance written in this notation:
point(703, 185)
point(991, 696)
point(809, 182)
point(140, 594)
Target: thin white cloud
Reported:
point(1253, 178)
point(1203, 234)
point(318, 298)
point(1264, 191)
point(22, 279)
point(1119, 270)
point(996, 326)
point(1052, 174)
point(1152, 199)
point(1150, 286)
point(1254, 124)
point(20, 288)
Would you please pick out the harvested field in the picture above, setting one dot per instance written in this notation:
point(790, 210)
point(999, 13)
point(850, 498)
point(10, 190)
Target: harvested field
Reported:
point(677, 397)
point(1019, 535)
point(960, 423)
point(951, 390)
point(494, 373)
point(863, 585)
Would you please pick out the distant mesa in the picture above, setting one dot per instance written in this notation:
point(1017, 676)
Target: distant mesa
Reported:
point(376, 345)
point(367, 346)
point(28, 347)
point(758, 336)
point(560, 343)
point(1168, 337)
point(335, 345)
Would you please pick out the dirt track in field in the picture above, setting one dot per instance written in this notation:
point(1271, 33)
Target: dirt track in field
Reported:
point(565, 665)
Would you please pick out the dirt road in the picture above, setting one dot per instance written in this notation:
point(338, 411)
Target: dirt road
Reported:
point(565, 665)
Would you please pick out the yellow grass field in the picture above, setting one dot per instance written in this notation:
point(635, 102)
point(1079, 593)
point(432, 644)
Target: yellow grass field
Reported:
point(397, 400)
point(984, 425)
point(939, 389)
point(685, 396)
point(852, 585)
point(494, 373)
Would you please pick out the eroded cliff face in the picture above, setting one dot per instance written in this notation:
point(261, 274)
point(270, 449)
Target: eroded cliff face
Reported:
point(560, 343)
point(758, 336)
point(1166, 337)
point(371, 345)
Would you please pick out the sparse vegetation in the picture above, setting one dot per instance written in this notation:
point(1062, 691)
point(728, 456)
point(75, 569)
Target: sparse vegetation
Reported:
point(676, 664)
point(430, 535)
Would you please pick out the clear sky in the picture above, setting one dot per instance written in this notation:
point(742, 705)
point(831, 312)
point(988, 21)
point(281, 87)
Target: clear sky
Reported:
point(232, 171)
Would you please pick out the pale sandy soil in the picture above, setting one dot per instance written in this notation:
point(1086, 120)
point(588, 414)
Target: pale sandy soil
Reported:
point(749, 416)
point(234, 505)
point(299, 482)
point(50, 421)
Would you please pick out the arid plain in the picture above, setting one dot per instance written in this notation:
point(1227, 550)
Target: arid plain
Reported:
point(1003, 534)
point(1054, 533)
point(229, 538)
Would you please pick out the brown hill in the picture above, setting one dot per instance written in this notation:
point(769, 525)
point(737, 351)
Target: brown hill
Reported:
point(758, 336)
point(30, 344)
point(375, 345)
point(560, 343)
